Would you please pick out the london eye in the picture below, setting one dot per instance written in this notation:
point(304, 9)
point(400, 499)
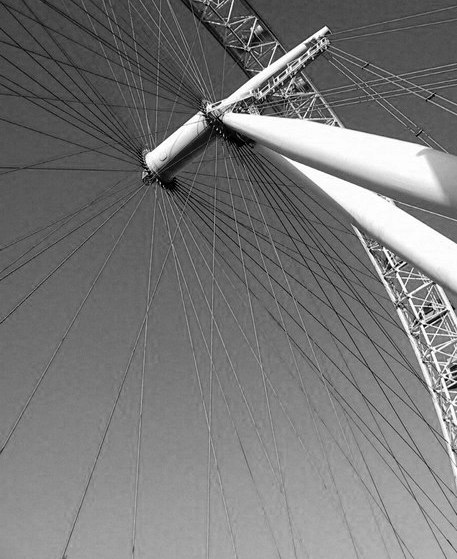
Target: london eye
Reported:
point(228, 270)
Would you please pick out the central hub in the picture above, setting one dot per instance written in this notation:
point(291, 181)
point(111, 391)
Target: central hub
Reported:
point(177, 150)
point(193, 137)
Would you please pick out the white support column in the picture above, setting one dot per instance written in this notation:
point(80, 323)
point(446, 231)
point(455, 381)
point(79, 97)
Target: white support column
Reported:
point(399, 170)
point(432, 253)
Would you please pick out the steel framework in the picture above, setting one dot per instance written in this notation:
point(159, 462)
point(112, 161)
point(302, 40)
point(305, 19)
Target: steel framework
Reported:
point(423, 308)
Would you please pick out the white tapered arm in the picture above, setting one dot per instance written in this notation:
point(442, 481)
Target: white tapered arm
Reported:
point(426, 249)
point(400, 170)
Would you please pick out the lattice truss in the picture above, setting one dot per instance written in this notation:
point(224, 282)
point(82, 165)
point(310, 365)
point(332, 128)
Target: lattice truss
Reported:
point(422, 306)
point(431, 324)
point(253, 46)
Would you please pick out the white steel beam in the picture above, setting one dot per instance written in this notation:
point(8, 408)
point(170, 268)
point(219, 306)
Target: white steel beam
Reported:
point(431, 252)
point(401, 170)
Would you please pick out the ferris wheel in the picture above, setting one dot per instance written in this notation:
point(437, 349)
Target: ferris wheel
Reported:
point(213, 346)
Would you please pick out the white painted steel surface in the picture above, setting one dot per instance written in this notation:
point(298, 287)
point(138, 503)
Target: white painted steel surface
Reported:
point(178, 149)
point(431, 252)
point(401, 170)
point(190, 139)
